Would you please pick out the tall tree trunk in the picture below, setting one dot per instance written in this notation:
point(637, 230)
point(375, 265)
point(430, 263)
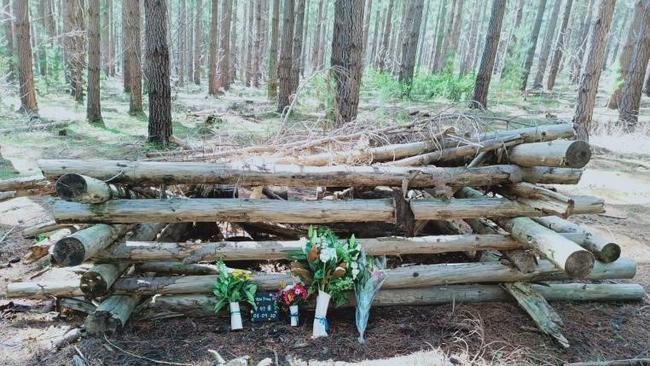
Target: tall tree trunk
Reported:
point(284, 68)
point(198, 42)
point(305, 38)
point(482, 85)
point(546, 46)
point(190, 41)
point(224, 66)
point(9, 38)
point(43, 45)
point(48, 19)
point(157, 71)
point(347, 57)
point(533, 45)
point(455, 35)
point(559, 46)
point(593, 63)
point(251, 42)
point(396, 44)
point(449, 28)
point(294, 79)
point(212, 62)
point(436, 44)
point(383, 50)
point(647, 81)
point(325, 32)
point(317, 35)
point(628, 109)
point(245, 41)
point(75, 46)
point(182, 42)
point(111, 42)
point(626, 55)
point(512, 40)
point(105, 36)
point(468, 57)
point(126, 77)
point(24, 50)
point(582, 42)
point(413, 20)
point(375, 39)
point(257, 45)
point(273, 54)
point(423, 35)
point(366, 25)
point(234, 43)
point(134, 50)
point(93, 106)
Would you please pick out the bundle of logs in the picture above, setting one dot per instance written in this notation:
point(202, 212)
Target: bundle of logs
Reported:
point(144, 233)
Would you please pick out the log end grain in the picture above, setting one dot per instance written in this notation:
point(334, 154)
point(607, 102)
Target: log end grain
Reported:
point(93, 285)
point(70, 186)
point(68, 251)
point(579, 264)
point(609, 253)
point(578, 154)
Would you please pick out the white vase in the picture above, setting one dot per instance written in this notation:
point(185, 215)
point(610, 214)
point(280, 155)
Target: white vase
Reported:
point(320, 319)
point(293, 314)
point(235, 316)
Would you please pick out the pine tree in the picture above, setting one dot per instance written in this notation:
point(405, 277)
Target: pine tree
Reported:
point(286, 48)
point(212, 62)
point(273, 55)
point(134, 54)
point(559, 46)
point(93, 106)
point(533, 44)
point(482, 85)
point(28, 102)
point(546, 45)
point(157, 71)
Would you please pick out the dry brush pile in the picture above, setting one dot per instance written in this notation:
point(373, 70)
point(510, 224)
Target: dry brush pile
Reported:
point(144, 233)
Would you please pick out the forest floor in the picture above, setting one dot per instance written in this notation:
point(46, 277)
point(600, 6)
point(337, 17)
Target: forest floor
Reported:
point(492, 333)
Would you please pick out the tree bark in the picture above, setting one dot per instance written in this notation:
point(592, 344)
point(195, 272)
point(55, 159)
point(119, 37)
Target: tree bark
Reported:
point(134, 54)
point(212, 62)
point(250, 42)
point(9, 39)
point(112, 314)
point(633, 37)
point(225, 65)
point(182, 42)
point(294, 78)
point(559, 153)
point(157, 72)
point(482, 84)
point(562, 40)
point(198, 42)
point(347, 58)
point(79, 188)
point(84, 244)
point(547, 45)
point(439, 36)
point(285, 66)
point(413, 20)
point(126, 78)
point(582, 42)
point(530, 55)
point(628, 109)
point(190, 41)
point(593, 66)
point(272, 90)
point(28, 102)
point(468, 55)
point(383, 50)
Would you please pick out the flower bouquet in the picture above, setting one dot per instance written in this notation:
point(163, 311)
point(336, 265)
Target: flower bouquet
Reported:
point(292, 296)
point(328, 265)
point(369, 281)
point(231, 287)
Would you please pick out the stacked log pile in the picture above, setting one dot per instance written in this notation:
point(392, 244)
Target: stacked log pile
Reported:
point(146, 224)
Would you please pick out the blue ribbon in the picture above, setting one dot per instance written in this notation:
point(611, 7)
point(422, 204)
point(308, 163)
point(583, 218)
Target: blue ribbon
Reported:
point(323, 321)
point(294, 316)
point(234, 312)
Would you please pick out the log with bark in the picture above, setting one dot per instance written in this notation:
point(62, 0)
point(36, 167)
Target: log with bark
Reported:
point(564, 253)
point(80, 188)
point(276, 250)
point(111, 315)
point(84, 244)
point(44, 227)
point(176, 268)
point(155, 173)
point(605, 250)
point(198, 305)
point(402, 277)
point(42, 248)
point(36, 182)
point(559, 153)
point(551, 202)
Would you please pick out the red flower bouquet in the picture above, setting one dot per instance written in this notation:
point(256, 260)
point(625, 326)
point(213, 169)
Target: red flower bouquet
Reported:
point(292, 296)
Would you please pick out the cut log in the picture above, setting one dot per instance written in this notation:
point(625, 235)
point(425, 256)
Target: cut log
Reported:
point(627, 362)
point(469, 208)
point(42, 248)
point(546, 318)
point(564, 253)
point(276, 250)
point(605, 250)
point(23, 183)
point(232, 210)
point(100, 277)
point(460, 152)
point(84, 244)
point(155, 173)
point(552, 202)
point(623, 268)
point(75, 304)
point(584, 204)
point(559, 153)
point(80, 188)
point(176, 268)
point(536, 134)
point(7, 195)
point(111, 315)
point(403, 277)
point(198, 305)
point(43, 227)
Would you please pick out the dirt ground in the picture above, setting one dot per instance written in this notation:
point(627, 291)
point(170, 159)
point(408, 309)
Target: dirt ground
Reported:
point(491, 333)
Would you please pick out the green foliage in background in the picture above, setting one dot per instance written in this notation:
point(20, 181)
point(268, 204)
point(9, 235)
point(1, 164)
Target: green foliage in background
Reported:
point(425, 86)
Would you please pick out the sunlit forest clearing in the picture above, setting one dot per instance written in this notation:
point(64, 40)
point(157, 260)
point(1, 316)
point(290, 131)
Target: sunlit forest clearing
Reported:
point(438, 134)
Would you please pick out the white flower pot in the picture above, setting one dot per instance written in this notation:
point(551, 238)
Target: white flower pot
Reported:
point(235, 316)
point(320, 320)
point(293, 314)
